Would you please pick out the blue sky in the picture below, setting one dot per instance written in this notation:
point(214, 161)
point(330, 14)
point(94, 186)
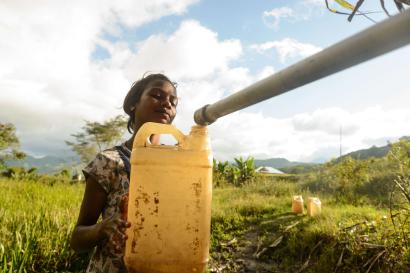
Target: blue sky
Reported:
point(63, 64)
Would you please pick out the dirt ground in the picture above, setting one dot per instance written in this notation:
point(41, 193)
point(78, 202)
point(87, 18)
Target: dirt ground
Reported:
point(245, 254)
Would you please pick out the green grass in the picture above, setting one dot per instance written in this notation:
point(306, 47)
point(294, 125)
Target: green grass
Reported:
point(258, 214)
point(36, 221)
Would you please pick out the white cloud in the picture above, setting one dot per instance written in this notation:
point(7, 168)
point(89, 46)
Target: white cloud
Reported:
point(307, 136)
point(300, 11)
point(273, 17)
point(288, 48)
point(192, 52)
point(329, 120)
point(48, 82)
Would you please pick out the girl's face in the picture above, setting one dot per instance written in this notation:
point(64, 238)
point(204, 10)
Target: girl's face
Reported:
point(157, 103)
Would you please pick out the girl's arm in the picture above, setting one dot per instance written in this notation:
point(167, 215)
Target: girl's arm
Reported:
point(87, 233)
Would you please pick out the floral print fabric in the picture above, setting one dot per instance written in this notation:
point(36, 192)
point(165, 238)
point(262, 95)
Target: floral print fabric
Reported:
point(109, 170)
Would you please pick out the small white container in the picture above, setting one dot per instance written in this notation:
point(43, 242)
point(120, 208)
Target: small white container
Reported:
point(297, 204)
point(314, 207)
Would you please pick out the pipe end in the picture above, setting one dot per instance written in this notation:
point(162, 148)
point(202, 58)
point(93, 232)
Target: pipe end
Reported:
point(201, 118)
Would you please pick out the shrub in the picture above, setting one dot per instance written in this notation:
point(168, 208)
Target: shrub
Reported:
point(219, 172)
point(19, 173)
point(238, 174)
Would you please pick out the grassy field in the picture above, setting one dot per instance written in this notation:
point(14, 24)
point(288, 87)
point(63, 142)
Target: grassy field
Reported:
point(253, 230)
point(35, 224)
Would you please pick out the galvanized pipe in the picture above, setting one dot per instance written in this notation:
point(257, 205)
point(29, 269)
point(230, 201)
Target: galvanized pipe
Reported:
point(381, 38)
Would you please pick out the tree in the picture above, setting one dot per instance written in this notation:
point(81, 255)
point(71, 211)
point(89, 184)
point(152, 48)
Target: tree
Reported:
point(96, 136)
point(351, 174)
point(9, 144)
point(354, 9)
point(219, 173)
point(246, 169)
point(238, 174)
point(399, 156)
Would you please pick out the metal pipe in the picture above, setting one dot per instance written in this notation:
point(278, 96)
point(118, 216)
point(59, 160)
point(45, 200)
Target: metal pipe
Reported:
point(381, 38)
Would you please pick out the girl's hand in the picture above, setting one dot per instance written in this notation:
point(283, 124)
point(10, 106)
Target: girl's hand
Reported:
point(113, 230)
point(124, 206)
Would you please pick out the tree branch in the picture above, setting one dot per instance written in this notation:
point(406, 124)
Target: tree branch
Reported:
point(399, 5)
point(384, 8)
point(356, 8)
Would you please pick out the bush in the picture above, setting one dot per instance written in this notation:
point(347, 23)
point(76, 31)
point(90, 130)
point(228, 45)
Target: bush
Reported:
point(18, 173)
point(219, 173)
point(31, 175)
point(238, 174)
point(378, 188)
point(342, 179)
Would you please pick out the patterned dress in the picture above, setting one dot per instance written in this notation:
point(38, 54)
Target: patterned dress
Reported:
point(110, 169)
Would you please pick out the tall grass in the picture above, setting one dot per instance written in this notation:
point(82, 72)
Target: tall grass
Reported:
point(36, 221)
point(345, 238)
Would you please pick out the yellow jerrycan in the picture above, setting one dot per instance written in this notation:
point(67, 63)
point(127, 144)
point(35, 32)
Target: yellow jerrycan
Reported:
point(169, 205)
point(297, 204)
point(314, 207)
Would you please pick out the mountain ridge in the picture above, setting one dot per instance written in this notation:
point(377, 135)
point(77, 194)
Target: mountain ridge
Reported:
point(47, 164)
point(53, 164)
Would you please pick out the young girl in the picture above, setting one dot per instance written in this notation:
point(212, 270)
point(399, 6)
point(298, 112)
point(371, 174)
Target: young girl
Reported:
point(154, 99)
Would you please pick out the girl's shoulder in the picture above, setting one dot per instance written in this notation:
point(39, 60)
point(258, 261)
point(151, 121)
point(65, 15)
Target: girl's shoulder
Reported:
point(111, 157)
point(107, 168)
point(110, 154)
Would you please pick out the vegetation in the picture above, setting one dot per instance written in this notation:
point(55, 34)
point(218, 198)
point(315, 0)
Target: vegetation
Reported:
point(253, 228)
point(353, 10)
point(9, 144)
point(364, 225)
point(48, 164)
point(96, 136)
point(36, 221)
point(237, 174)
point(31, 175)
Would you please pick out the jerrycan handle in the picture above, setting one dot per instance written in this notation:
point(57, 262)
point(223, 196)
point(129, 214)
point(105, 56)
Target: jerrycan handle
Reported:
point(150, 128)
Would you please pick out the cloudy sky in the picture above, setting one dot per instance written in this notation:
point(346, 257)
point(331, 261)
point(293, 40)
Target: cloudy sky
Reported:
point(63, 62)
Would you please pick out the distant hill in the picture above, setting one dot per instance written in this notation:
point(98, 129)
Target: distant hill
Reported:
point(277, 163)
point(47, 164)
point(301, 167)
point(53, 164)
point(285, 165)
point(373, 151)
point(368, 153)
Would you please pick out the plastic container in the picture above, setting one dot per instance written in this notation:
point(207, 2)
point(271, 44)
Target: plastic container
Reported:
point(169, 202)
point(314, 207)
point(297, 204)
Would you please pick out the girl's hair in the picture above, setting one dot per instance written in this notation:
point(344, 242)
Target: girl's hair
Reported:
point(135, 93)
